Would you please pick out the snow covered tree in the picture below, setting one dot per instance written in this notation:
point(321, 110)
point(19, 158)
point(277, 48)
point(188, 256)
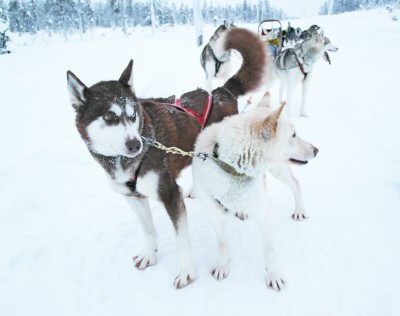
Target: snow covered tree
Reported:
point(4, 39)
point(85, 16)
point(130, 16)
point(28, 17)
point(50, 10)
point(324, 9)
point(66, 17)
point(14, 15)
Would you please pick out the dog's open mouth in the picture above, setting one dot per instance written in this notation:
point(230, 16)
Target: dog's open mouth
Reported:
point(298, 162)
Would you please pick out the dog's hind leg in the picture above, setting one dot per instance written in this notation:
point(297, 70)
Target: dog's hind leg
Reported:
point(283, 173)
point(289, 97)
point(218, 218)
point(147, 256)
point(173, 201)
point(305, 87)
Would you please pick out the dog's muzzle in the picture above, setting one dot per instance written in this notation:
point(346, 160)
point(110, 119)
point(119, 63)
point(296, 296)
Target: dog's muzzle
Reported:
point(304, 162)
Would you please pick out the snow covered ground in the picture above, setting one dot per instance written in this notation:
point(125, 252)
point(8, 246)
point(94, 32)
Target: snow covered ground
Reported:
point(66, 239)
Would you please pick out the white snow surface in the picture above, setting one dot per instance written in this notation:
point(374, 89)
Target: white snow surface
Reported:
point(67, 240)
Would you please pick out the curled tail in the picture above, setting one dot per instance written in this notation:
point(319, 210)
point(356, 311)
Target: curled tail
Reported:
point(250, 75)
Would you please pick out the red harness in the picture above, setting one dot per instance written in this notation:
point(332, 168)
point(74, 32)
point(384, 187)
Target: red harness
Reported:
point(301, 68)
point(202, 119)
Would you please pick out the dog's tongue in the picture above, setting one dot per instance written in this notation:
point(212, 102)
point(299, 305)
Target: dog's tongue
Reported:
point(326, 57)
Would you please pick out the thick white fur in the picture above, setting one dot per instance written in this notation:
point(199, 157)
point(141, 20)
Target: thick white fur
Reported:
point(251, 143)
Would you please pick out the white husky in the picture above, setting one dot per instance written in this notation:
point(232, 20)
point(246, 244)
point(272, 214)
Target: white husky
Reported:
point(295, 65)
point(243, 147)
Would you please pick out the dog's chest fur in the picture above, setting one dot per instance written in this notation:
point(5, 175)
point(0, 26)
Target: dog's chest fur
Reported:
point(241, 150)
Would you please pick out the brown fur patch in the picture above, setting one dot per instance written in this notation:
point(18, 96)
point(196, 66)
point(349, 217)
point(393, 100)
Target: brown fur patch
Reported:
point(251, 73)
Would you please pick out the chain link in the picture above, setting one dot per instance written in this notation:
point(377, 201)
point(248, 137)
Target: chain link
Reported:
point(174, 150)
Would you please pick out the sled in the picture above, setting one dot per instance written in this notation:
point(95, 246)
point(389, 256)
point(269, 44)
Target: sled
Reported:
point(270, 32)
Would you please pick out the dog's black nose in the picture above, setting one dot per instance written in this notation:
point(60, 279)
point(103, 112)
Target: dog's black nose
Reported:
point(316, 150)
point(133, 145)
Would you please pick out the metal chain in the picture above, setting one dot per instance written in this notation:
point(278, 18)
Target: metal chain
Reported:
point(174, 150)
point(177, 151)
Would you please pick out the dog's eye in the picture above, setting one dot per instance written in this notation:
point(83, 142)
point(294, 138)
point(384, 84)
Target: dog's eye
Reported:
point(294, 135)
point(133, 114)
point(109, 117)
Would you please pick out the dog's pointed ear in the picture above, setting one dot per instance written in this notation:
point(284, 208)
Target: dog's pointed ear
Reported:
point(271, 123)
point(127, 76)
point(76, 90)
point(226, 23)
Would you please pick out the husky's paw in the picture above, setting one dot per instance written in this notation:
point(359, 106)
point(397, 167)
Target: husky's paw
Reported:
point(185, 278)
point(220, 273)
point(241, 215)
point(299, 215)
point(145, 260)
point(274, 281)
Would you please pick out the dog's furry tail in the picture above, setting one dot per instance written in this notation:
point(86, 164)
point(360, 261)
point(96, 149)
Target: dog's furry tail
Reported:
point(251, 74)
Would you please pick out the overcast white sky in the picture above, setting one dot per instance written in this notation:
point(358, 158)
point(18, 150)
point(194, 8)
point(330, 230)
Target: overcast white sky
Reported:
point(300, 8)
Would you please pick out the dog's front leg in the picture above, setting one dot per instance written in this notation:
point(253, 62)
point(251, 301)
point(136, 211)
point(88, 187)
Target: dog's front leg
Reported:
point(173, 202)
point(283, 173)
point(217, 216)
point(147, 256)
point(273, 278)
